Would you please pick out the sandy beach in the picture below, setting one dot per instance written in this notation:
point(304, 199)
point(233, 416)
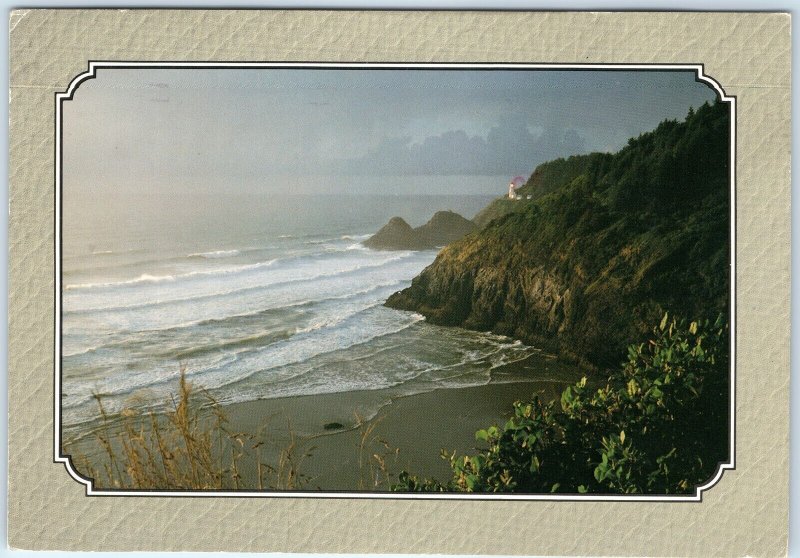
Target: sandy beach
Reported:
point(338, 440)
point(414, 427)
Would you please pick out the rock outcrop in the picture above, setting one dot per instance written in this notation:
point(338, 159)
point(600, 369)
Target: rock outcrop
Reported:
point(443, 228)
point(394, 235)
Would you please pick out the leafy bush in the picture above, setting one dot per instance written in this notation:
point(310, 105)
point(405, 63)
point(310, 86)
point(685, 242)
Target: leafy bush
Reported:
point(658, 426)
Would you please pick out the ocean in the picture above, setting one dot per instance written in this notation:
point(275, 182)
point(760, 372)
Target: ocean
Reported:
point(254, 297)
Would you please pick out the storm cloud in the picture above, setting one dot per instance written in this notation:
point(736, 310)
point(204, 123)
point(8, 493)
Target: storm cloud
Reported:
point(511, 148)
point(238, 129)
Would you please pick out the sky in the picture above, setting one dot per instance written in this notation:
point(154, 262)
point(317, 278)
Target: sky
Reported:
point(352, 130)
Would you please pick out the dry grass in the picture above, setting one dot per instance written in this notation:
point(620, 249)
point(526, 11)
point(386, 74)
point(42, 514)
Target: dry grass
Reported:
point(374, 456)
point(190, 447)
point(286, 473)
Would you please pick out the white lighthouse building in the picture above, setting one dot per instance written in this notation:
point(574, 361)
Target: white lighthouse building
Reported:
point(515, 183)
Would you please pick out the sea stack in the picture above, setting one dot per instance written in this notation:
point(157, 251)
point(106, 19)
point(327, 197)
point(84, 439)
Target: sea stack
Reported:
point(443, 228)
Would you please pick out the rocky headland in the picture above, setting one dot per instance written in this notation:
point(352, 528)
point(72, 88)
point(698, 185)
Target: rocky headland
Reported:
point(606, 244)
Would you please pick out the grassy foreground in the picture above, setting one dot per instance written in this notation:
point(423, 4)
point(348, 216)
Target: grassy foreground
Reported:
point(190, 447)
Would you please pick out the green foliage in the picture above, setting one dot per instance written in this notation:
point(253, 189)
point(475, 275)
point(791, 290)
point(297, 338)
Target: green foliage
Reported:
point(546, 178)
point(552, 175)
point(674, 164)
point(613, 242)
point(658, 426)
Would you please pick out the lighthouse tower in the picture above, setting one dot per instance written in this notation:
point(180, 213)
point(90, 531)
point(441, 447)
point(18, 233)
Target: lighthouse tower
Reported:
point(515, 183)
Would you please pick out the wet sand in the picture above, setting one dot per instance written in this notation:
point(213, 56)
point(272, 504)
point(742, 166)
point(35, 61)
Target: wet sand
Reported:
point(416, 428)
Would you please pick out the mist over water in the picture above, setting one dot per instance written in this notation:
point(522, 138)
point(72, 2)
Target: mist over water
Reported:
point(257, 297)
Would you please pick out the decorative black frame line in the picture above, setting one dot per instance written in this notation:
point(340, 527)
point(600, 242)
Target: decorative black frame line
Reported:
point(60, 457)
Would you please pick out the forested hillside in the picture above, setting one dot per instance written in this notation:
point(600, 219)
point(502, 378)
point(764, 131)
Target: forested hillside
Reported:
point(607, 245)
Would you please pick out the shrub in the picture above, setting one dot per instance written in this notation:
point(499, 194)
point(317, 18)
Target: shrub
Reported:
point(659, 425)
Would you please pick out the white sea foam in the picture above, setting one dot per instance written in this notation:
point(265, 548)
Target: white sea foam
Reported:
point(343, 327)
point(344, 347)
point(148, 278)
point(299, 312)
point(249, 287)
point(143, 278)
point(215, 254)
point(202, 285)
point(355, 236)
point(364, 284)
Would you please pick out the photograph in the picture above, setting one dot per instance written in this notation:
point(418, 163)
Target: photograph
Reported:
point(395, 280)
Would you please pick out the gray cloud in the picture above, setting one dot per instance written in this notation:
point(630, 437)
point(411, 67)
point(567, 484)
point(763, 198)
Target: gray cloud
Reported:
point(149, 129)
point(510, 148)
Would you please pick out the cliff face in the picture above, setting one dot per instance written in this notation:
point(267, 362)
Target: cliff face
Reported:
point(588, 267)
point(444, 227)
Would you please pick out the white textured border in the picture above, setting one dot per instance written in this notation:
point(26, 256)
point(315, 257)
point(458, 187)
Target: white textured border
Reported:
point(90, 490)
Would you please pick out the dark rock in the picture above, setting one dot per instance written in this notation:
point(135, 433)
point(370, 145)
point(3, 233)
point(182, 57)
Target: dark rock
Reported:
point(394, 235)
point(444, 227)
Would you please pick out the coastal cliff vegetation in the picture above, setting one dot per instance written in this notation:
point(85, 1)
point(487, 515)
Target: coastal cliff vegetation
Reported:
point(605, 246)
point(658, 426)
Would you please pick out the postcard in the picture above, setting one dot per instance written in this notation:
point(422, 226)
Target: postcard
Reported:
point(338, 292)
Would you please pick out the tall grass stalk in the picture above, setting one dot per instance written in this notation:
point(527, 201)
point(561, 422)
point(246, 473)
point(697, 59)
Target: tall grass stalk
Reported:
point(374, 454)
point(189, 447)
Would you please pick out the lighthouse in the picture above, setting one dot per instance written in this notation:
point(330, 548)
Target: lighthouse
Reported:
point(515, 183)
